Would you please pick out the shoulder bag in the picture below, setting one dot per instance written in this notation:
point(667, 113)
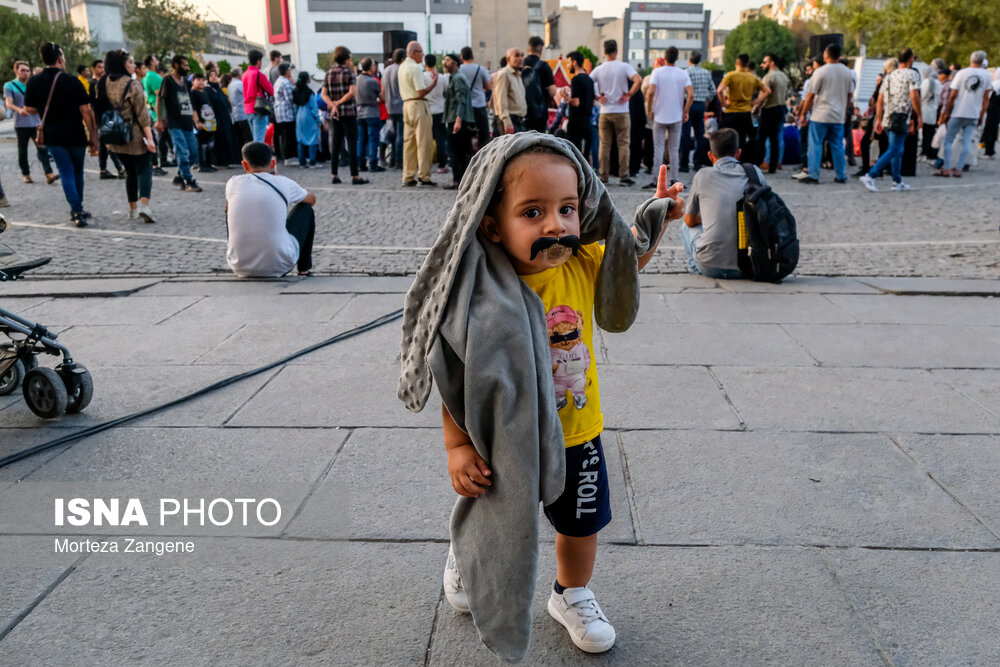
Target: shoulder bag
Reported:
point(39, 133)
point(263, 104)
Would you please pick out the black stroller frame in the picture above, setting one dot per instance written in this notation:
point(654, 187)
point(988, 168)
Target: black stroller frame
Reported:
point(48, 392)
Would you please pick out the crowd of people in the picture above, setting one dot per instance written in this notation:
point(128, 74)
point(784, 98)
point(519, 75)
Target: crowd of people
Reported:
point(421, 116)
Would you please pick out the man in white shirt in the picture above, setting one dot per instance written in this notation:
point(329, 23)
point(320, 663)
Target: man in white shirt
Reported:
point(611, 81)
point(435, 104)
point(668, 101)
point(964, 111)
point(266, 239)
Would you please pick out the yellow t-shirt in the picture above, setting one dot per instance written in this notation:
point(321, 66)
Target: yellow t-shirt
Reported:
point(568, 294)
point(741, 87)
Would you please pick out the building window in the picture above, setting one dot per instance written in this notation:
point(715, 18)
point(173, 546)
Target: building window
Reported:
point(437, 28)
point(534, 10)
point(657, 33)
point(536, 29)
point(482, 45)
point(694, 35)
point(338, 26)
point(637, 34)
point(657, 53)
point(637, 56)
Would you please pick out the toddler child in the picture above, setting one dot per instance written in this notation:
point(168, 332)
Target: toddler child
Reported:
point(532, 199)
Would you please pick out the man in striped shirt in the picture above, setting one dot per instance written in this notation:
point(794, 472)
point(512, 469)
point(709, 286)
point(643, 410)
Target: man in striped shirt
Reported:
point(704, 90)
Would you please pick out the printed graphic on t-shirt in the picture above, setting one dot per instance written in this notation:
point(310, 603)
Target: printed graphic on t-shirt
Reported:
point(570, 356)
point(184, 102)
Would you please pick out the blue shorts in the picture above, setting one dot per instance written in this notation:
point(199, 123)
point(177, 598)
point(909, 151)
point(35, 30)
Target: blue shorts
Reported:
point(584, 507)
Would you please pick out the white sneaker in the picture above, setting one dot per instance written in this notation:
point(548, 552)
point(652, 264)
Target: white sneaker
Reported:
point(868, 182)
point(145, 213)
point(291, 162)
point(802, 174)
point(579, 613)
point(453, 590)
point(132, 213)
point(900, 187)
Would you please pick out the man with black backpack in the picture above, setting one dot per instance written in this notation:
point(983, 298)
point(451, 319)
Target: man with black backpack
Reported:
point(539, 86)
point(735, 226)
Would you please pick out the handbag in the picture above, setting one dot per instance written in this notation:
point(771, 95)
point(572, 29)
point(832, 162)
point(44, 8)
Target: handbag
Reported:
point(114, 129)
point(263, 104)
point(39, 132)
point(899, 121)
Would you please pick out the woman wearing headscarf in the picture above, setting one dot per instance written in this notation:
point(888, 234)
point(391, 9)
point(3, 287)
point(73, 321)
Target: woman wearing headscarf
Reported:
point(117, 90)
point(307, 120)
point(223, 152)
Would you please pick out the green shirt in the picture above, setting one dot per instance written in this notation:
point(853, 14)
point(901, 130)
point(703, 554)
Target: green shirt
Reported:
point(151, 84)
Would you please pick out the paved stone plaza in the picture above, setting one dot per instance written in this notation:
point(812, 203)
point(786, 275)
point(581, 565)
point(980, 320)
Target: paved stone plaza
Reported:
point(817, 485)
point(801, 473)
point(943, 228)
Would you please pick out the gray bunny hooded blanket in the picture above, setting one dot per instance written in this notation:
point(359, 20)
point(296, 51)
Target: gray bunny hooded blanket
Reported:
point(479, 331)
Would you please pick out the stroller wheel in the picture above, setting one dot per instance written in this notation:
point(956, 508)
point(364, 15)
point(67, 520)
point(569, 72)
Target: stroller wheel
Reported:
point(79, 389)
point(45, 393)
point(12, 378)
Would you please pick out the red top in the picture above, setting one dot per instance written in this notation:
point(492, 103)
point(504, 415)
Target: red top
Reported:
point(253, 81)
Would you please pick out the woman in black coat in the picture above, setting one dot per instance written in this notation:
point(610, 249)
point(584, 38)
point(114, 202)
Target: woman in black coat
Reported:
point(223, 151)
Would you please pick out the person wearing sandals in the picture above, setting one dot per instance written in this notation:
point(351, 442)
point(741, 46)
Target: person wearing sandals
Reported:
point(269, 218)
point(137, 155)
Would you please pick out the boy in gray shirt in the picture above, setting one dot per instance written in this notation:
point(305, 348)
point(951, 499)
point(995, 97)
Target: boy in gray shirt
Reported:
point(711, 231)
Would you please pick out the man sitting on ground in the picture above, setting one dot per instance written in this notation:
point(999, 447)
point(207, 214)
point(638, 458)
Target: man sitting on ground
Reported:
point(711, 233)
point(270, 219)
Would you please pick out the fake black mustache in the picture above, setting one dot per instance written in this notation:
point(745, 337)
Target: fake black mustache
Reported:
point(546, 242)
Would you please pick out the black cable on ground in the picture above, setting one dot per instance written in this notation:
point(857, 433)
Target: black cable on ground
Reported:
point(93, 430)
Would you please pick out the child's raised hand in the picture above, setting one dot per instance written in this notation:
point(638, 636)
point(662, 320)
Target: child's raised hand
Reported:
point(468, 471)
point(673, 192)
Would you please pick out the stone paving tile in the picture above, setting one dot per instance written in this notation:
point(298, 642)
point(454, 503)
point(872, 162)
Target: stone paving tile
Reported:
point(253, 309)
point(723, 606)
point(967, 466)
point(898, 345)
point(661, 397)
point(982, 386)
point(169, 343)
point(30, 286)
point(124, 390)
point(925, 608)
point(355, 396)
point(350, 285)
point(888, 309)
point(706, 487)
point(283, 604)
point(796, 284)
point(364, 308)
point(230, 287)
point(705, 344)
point(108, 311)
point(942, 286)
point(754, 308)
point(264, 343)
point(850, 400)
point(20, 582)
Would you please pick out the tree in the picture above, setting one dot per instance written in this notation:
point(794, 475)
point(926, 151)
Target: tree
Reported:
point(164, 27)
point(950, 29)
point(22, 34)
point(759, 38)
point(224, 66)
point(588, 55)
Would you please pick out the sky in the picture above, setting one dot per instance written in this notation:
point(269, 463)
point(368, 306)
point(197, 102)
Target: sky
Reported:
point(248, 15)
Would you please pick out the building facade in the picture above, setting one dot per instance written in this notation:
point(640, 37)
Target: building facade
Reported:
point(102, 19)
point(717, 45)
point(223, 39)
point(22, 6)
point(307, 31)
point(651, 27)
point(498, 25)
point(568, 28)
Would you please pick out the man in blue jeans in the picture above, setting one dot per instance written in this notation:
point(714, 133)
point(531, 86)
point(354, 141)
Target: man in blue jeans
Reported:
point(175, 112)
point(897, 111)
point(711, 228)
point(62, 103)
point(829, 98)
point(704, 90)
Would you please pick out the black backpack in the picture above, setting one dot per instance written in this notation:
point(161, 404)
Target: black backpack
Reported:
point(768, 245)
point(114, 129)
point(534, 94)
